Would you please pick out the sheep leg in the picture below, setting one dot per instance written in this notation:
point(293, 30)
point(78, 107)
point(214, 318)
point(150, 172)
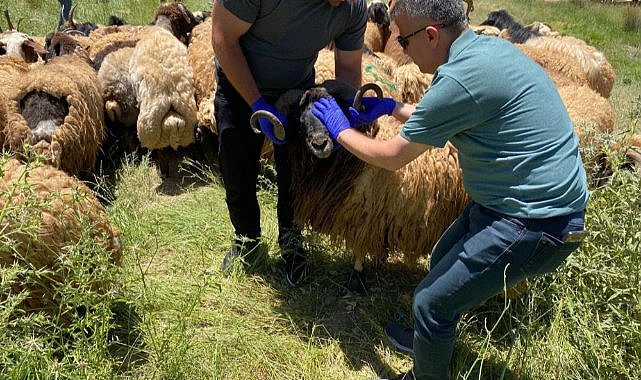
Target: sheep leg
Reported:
point(356, 283)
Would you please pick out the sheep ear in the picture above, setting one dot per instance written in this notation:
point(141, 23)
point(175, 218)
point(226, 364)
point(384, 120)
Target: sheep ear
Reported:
point(32, 51)
point(305, 98)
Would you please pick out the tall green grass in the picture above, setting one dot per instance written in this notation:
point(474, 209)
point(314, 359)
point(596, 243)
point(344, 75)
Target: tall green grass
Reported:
point(176, 316)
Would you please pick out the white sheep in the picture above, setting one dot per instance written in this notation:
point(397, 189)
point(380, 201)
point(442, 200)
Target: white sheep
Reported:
point(163, 83)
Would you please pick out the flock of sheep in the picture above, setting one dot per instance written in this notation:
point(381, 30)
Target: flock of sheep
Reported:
point(87, 95)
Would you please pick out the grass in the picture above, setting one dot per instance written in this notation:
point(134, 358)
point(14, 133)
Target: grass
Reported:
point(174, 315)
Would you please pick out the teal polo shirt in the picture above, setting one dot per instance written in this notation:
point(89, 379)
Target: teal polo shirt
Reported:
point(517, 148)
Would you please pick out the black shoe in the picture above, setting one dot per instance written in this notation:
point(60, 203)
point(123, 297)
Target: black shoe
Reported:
point(296, 265)
point(400, 337)
point(243, 252)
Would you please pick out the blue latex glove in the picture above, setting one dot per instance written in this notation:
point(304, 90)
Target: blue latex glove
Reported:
point(373, 109)
point(330, 114)
point(266, 126)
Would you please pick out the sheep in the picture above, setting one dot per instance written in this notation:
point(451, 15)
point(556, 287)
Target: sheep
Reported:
point(411, 83)
point(503, 20)
point(70, 25)
point(361, 205)
point(57, 108)
point(599, 72)
point(593, 119)
point(200, 54)
point(393, 49)
point(377, 29)
point(176, 18)
point(12, 71)
point(561, 68)
point(13, 42)
point(486, 30)
point(46, 213)
point(163, 82)
point(12, 68)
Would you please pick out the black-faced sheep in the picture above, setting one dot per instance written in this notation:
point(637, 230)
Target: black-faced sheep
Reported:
point(176, 18)
point(377, 30)
point(366, 207)
point(45, 213)
point(518, 34)
point(57, 109)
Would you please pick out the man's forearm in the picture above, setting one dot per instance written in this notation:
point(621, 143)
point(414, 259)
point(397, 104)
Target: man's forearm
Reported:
point(234, 64)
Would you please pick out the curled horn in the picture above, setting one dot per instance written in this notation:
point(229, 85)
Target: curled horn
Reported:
point(359, 94)
point(6, 16)
point(279, 129)
point(283, 105)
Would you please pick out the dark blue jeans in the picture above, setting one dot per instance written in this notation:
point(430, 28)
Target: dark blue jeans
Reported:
point(479, 254)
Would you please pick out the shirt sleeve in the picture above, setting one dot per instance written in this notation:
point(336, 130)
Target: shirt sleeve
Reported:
point(445, 110)
point(246, 10)
point(352, 38)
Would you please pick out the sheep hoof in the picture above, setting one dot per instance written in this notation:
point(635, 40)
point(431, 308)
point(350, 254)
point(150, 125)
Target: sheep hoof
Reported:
point(356, 283)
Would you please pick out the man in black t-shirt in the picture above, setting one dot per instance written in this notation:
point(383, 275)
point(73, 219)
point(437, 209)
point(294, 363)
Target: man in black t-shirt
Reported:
point(264, 48)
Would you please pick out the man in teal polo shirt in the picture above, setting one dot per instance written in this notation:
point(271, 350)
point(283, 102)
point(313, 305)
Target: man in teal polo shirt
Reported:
point(520, 161)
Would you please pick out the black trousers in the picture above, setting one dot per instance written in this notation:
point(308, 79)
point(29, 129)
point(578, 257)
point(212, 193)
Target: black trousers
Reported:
point(239, 154)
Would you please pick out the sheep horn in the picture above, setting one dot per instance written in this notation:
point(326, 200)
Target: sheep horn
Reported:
point(279, 129)
point(359, 94)
point(6, 16)
point(70, 18)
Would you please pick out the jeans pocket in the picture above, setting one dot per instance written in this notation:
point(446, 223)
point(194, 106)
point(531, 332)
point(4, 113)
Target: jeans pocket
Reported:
point(548, 254)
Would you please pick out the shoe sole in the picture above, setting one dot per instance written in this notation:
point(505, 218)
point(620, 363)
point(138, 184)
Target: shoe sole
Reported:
point(399, 347)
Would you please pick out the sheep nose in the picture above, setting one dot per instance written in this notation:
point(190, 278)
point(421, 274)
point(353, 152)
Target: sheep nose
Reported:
point(319, 145)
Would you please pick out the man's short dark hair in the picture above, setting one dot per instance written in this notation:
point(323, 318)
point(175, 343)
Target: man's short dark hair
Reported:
point(448, 12)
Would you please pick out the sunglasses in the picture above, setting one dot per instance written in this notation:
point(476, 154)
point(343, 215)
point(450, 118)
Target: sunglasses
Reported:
point(404, 41)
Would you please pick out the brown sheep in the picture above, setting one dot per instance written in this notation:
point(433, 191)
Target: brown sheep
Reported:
point(377, 30)
point(393, 49)
point(363, 206)
point(176, 18)
point(58, 110)
point(200, 54)
point(45, 213)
